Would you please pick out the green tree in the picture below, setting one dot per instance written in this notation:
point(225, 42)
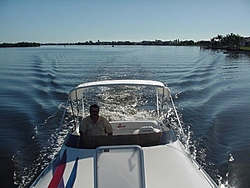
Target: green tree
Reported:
point(232, 40)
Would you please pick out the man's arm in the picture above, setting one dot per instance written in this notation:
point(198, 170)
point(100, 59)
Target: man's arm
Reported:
point(108, 127)
point(82, 129)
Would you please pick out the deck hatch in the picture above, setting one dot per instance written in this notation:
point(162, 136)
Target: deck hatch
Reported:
point(119, 166)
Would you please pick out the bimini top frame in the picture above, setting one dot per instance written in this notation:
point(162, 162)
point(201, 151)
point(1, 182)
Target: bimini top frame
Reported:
point(76, 93)
point(161, 88)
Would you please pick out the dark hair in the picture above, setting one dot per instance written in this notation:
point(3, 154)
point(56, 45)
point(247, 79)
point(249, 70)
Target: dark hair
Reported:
point(94, 106)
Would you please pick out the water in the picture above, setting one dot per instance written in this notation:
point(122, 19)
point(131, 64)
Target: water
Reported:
point(211, 90)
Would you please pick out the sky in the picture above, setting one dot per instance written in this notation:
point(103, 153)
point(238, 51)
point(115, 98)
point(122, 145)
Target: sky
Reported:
point(70, 21)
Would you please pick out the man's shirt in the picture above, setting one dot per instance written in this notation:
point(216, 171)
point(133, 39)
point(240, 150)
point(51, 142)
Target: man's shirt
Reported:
point(101, 127)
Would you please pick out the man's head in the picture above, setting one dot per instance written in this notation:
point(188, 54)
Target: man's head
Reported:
point(94, 110)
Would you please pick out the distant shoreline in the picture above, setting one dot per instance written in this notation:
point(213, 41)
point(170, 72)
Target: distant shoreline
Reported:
point(201, 44)
point(112, 43)
point(20, 44)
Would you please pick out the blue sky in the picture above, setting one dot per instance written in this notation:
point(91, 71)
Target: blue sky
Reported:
point(114, 20)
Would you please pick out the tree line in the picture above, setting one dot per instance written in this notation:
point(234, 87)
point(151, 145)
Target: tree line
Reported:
point(229, 41)
point(20, 44)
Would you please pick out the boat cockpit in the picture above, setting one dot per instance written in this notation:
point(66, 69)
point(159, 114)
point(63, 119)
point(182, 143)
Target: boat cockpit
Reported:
point(142, 133)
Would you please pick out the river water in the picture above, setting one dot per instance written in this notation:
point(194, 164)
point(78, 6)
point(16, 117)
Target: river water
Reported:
point(210, 88)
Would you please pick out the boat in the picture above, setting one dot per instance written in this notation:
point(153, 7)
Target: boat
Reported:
point(144, 150)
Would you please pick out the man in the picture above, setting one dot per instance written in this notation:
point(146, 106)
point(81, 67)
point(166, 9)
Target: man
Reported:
point(95, 125)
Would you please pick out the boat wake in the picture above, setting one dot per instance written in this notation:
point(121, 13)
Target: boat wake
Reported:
point(47, 141)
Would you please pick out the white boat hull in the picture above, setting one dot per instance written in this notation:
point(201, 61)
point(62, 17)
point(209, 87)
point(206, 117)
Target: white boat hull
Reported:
point(165, 166)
